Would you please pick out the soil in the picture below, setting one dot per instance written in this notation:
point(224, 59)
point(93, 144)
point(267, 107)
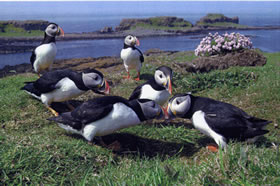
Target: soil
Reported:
point(221, 62)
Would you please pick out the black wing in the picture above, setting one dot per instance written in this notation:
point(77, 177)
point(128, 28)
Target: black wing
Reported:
point(141, 55)
point(233, 122)
point(136, 92)
point(48, 81)
point(96, 109)
point(33, 58)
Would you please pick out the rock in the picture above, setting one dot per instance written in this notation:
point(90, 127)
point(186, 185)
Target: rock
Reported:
point(241, 58)
point(162, 21)
point(215, 18)
point(107, 30)
point(27, 25)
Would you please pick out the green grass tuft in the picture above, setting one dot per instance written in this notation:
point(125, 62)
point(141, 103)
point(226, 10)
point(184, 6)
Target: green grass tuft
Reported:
point(12, 31)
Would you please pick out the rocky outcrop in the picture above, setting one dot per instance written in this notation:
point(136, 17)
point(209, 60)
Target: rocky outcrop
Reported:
point(215, 18)
point(242, 58)
point(26, 25)
point(106, 30)
point(163, 21)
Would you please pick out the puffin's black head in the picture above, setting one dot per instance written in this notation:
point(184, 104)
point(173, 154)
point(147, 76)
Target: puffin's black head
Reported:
point(178, 105)
point(163, 76)
point(131, 41)
point(147, 109)
point(53, 30)
point(94, 80)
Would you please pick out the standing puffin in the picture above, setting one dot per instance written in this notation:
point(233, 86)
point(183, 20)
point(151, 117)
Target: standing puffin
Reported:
point(219, 120)
point(62, 85)
point(43, 55)
point(105, 115)
point(158, 89)
point(132, 57)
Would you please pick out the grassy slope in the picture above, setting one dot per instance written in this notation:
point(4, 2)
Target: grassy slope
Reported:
point(156, 23)
point(34, 150)
point(12, 31)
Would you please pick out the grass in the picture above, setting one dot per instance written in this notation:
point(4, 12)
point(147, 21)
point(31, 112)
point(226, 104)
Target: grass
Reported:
point(156, 27)
point(36, 151)
point(223, 24)
point(158, 22)
point(12, 31)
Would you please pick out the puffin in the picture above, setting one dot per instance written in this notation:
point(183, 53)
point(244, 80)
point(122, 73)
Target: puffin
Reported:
point(158, 88)
point(132, 57)
point(218, 120)
point(43, 55)
point(105, 115)
point(63, 85)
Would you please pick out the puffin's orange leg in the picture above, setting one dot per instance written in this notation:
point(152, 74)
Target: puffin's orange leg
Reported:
point(138, 76)
point(53, 111)
point(128, 76)
point(213, 147)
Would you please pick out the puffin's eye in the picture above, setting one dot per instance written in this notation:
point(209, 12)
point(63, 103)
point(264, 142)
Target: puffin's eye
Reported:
point(177, 102)
point(130, 38)
point(96, 78)
point(160, 76)
point(53, 27)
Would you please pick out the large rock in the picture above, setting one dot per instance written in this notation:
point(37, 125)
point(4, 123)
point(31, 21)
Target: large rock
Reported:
point(215, 18)
point(106, 30)
point(241, 58)
point(162, 21)
point(28, 24)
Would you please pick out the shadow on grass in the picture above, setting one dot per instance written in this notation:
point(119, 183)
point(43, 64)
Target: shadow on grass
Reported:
point(174, 123)
point(61, 107)
point(130, 144)
point(260, 143)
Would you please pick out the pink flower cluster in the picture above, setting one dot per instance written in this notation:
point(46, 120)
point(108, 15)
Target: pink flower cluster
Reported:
point(219, 44)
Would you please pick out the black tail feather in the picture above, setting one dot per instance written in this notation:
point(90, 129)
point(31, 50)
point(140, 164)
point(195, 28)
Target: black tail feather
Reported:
point(67, 119)
point(31, 89)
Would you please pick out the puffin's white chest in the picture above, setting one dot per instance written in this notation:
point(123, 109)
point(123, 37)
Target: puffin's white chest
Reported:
point(160, 97)
point(120, 117)
point(66, 89)
point(45, 55)
point(199, 122)
point(130, 57)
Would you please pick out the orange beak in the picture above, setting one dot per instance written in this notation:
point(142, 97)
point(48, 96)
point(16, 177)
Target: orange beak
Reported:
point(61, 31)
point(165, 111)
point(107, 88)
point(169, 86)
point(137, 42)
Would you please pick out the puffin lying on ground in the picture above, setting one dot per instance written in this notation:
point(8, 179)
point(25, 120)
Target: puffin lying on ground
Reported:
point(132, 57)
point(62, 85)
point(158, 89)
point(43, 56)
point(105, 115)
point(219, 120)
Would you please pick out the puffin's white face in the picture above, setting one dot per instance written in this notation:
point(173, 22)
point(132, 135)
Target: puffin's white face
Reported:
point(96, 82)
point(131, 40)
point(150, 109)
point(179, 105)
point(54, 30)
point(92, 80)
point(163, 80)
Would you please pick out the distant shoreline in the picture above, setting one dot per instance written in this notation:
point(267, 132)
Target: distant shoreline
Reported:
point(24, 44)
